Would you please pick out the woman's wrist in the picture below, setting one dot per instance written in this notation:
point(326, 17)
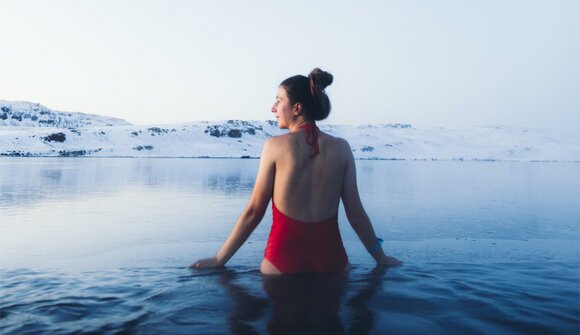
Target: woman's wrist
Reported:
point(376, 247)
point(220, 260)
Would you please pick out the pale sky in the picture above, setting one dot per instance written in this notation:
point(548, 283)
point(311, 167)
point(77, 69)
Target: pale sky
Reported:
point(428, 63)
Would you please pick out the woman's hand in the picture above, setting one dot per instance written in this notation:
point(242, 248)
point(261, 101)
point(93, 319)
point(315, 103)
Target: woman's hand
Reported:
point(389, 261)
point(207, 263)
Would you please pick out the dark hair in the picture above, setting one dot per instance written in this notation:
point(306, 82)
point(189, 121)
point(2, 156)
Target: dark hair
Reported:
point(309, 91)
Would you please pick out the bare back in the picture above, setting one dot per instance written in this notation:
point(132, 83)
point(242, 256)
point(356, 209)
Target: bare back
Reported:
point(309, 188)
point(304, 187)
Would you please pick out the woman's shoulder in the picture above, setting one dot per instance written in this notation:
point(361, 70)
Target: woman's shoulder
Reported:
point(337, 142)
point(333, 143)
point(278, 139)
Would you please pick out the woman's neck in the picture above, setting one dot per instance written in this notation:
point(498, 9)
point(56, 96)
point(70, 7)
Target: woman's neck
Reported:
point(299, 124)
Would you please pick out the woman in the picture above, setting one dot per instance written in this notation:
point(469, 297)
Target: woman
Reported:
point(306, 173)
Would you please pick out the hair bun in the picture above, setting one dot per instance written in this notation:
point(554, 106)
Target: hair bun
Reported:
point(310, 92)
point(319, 78)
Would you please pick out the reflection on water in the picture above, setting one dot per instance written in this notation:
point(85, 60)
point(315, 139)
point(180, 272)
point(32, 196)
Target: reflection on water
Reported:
point(247, 306)
point(511, 298)
point(303, 304)
point(363, 318)
point(489, 247)
point(24, 182)
point(406, 200)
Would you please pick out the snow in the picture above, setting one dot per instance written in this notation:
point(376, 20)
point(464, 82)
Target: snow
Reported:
point(28, 114)
point(78, 134)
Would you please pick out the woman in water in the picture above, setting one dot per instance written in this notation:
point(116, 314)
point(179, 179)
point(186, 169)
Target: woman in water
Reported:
point(306, 173)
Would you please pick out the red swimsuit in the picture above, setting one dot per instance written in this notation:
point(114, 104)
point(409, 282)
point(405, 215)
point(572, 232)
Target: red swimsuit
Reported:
point(296, 246)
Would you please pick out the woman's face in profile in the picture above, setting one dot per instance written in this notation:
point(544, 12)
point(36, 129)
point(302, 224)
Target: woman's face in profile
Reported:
point(282, 109)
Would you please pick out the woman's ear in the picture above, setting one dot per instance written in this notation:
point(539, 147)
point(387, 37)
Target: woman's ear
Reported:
point(297, 109)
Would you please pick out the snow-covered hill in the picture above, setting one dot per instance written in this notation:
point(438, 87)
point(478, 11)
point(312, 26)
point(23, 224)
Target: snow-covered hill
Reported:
point(28, 114)
point(76, 134)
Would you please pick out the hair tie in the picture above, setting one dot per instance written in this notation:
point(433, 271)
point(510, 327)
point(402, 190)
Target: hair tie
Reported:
point(376, 247)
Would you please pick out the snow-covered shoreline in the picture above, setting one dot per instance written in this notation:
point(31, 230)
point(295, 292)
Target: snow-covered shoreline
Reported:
point(26, 130)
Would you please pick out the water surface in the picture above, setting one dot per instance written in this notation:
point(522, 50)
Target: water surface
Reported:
point(102, 245)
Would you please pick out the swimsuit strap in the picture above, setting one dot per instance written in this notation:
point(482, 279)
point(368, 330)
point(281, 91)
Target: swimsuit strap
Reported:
point(312, 137)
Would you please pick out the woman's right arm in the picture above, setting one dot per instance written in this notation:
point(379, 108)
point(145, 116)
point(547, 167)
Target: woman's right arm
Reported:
point(252, 214)
point(357, 216)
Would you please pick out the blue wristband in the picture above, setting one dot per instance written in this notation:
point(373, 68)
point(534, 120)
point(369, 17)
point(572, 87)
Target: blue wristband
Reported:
point(375, 248)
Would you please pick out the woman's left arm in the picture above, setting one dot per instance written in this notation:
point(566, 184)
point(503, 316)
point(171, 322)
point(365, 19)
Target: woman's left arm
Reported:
point(252, 214)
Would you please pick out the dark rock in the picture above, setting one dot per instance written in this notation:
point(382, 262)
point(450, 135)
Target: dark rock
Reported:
point(3, 116)
point(232, 128)
point(157, 130)
point(235, 133)
point(16, 153)
point(56, 137)
point(134, 133)
point(214, 132)
point(72, 153)
point(367, 149)
point(17, 117)
point(141, 147)
point(397, 125)
point(5, 109)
